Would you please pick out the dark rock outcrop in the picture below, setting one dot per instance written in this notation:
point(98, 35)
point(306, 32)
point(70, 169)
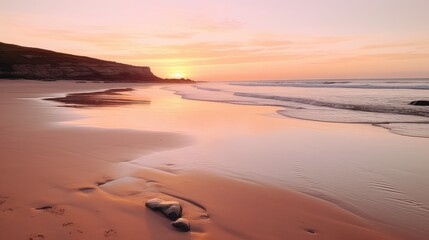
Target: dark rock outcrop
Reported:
point(154, 203)
point(420, 103)
point(171, 209)
point(17, 62)
point(182, 224)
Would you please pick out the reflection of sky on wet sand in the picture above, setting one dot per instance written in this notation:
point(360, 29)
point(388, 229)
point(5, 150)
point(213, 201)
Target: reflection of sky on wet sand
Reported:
point(361, 167)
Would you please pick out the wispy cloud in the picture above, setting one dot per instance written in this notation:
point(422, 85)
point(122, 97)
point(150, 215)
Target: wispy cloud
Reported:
point(397, 45)
point(380, 57)
point(201, 47)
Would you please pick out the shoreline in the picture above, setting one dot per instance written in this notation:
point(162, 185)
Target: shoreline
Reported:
point(62, 197)
point(288, 111)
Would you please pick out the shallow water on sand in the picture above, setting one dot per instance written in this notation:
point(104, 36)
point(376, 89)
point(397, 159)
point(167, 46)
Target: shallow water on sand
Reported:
point(362, 168)
point(385, 102)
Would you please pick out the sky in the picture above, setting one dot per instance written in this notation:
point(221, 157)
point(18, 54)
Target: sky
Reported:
point(233, 39)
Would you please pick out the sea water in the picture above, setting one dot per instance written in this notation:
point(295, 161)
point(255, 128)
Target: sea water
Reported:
point(381, 102)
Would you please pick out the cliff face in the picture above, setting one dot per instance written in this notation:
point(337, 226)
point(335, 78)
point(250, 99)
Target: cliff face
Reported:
point(18, 62)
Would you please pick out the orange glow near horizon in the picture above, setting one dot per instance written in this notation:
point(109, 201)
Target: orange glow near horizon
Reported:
point(173, 72)
point(178, 75)
point(233, 40)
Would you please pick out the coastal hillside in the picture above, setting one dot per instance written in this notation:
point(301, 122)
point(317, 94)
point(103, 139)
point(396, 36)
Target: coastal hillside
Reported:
point(17, 62)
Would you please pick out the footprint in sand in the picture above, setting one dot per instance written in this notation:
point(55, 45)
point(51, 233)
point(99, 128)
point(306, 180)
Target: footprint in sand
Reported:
point(3, 203)
point(7, 210)
point(110, 234)
point(86, 189)
point(69, 226)
point(310, 230)
point(52, 210)
point(3, 199)
point(36, 237)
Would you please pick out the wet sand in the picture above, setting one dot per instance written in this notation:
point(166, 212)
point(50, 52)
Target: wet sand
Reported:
point(110, 97)
point(60, 181)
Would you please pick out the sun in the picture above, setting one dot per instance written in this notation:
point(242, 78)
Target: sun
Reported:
point(178, 72)
point(178, 75)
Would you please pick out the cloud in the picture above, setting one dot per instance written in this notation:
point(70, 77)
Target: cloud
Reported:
point(193, 48)
point(109, 40)
point(101, 38)
point(211, 53)
point(260, 48)
point(380, 57)
point(396, 45)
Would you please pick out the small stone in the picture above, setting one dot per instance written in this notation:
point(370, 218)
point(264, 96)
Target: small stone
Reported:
point(167, 204)
point(154, 203)
point(171, 209)
point(182, 224)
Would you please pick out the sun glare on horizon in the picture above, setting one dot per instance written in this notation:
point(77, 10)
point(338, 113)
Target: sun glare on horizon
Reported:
point(178, 75)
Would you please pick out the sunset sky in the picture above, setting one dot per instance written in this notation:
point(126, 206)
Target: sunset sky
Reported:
point(233, 39)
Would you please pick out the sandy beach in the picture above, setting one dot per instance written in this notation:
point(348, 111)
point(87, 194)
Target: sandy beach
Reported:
point(220, 120)
point(61, 181)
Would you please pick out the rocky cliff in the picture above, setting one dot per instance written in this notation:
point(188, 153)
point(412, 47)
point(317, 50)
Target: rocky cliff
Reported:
point(17, 62)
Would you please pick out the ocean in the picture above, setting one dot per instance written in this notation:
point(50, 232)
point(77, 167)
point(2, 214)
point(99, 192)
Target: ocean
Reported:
point(380, 102)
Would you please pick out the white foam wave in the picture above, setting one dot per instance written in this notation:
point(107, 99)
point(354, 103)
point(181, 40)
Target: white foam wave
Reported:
point(416, 84)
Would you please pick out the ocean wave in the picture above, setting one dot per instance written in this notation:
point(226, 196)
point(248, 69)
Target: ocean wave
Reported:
point(346, 106)
point(407, 129)
point(386, 109)
point(207, 88)
point(338, 84)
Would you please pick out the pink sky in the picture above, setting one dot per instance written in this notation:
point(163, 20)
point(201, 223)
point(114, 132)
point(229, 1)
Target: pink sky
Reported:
point(235, 39)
